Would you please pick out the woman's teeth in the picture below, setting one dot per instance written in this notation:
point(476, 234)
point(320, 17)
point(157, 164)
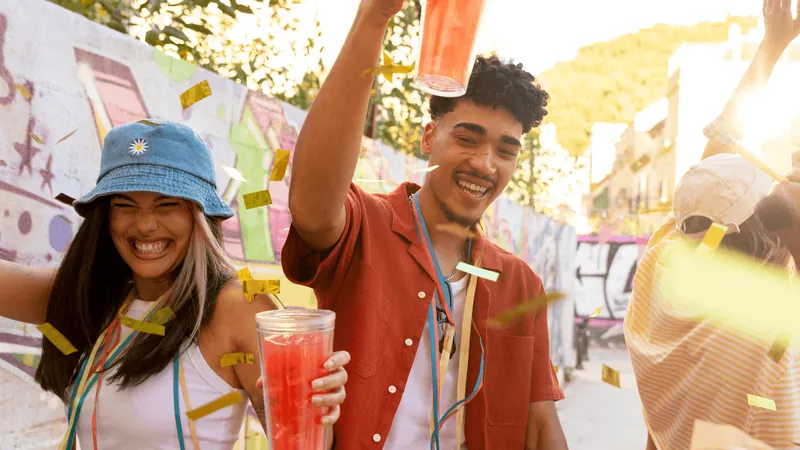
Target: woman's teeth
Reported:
point(150, 248)
point(472, 188)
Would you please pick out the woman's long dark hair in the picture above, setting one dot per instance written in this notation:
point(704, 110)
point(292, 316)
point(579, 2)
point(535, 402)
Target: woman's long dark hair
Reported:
point(91, 285)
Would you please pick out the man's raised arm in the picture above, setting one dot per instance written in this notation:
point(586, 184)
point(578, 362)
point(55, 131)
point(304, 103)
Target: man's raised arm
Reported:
point(329, 143)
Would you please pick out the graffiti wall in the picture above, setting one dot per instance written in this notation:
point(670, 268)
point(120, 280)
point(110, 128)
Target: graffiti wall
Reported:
point(604, 275)
point(85, 78)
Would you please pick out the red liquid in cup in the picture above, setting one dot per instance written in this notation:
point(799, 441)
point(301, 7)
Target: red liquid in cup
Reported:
point(450, 28)
point(292, 362)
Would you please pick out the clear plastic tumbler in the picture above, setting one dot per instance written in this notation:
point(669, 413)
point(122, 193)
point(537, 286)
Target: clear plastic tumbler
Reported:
point(294, 345)
point(447, 51)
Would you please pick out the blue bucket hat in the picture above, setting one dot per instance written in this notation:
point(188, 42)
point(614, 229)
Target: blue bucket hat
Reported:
point(157, 156)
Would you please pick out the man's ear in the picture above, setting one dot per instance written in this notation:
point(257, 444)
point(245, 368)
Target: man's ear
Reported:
point(427, 138)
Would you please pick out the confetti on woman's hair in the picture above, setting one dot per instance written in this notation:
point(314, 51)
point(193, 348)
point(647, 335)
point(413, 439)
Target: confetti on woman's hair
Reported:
point(36, 138)
point(195, 93)
point(225, 401)
point(712, 238)
point(162, 316)
point(67, 136)
point(26, 94)
point(144, 327)
point(232, 359)
point(280, 165)
point(56, 338)
point(257, 199)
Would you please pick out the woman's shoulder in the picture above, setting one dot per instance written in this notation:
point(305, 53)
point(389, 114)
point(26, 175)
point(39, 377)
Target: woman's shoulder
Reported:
point(233, 305)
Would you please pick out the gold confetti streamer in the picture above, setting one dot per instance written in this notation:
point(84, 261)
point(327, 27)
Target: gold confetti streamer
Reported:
point(67, 136)
point(524, 308)
point(611, 376)
point(144, 327)
point(778, 347)
point(65, 199)
point(225, 401)
point(195, 93)
point(36, 138)
point(235, 174)
point(388, 69)
point(231, 359)
point(26, 94)
point(760, 300)
point(27, 359)
point(257, 199)
point(477, 271)
point(555, 368)
point(427, 169)
point(253, 287)
point(162, 316)
point(457, 230)
point(596, 312)
point(712, 239)
point(244, 275)
point(760, 402)
point(280, 165)
point(149, 123)
point(58, 339)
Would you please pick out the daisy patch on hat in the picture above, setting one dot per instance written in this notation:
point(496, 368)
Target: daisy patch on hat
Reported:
point(138, 147)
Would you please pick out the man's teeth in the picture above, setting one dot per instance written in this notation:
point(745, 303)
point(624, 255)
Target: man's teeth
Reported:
point(472, 188)
point(151, 247)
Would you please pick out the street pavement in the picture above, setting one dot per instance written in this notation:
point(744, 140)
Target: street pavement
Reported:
point(598, 416)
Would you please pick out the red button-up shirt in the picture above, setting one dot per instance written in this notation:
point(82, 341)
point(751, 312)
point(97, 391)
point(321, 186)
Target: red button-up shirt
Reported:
point(378, 280)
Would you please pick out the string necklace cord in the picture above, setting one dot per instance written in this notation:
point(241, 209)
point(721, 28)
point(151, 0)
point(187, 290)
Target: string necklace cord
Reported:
point(437, 354)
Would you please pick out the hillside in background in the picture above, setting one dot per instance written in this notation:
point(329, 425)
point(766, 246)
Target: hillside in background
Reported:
point(612, 81)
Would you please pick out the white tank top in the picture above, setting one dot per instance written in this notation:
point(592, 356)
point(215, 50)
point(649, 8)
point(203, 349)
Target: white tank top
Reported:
point(143, 417)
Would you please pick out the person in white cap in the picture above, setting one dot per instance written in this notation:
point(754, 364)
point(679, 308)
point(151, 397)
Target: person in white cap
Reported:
point(689, 369)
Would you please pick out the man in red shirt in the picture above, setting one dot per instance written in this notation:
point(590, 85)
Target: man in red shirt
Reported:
point(416, 327)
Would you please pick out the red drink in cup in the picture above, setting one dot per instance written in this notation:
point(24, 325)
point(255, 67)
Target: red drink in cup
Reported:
point(447, 52)
point(294, 344)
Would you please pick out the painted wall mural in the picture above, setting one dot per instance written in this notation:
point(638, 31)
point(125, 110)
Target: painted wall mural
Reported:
point(86, 78)
point(604, 275)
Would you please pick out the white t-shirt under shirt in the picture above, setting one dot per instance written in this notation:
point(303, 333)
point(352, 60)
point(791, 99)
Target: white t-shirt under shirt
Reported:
point(411, 426)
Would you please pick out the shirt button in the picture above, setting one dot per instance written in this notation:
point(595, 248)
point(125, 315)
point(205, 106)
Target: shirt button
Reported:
point(421, 294)
point(376, 437)
point(409, 342)
point(392, 389)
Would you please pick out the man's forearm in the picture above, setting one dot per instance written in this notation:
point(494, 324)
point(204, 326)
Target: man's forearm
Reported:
point(329, 143)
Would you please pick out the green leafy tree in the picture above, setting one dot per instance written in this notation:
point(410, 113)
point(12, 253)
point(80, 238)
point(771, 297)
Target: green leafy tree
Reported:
point(198, 31)
point(612, 81)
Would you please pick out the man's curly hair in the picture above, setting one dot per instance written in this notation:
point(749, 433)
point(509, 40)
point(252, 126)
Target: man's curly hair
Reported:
point(499, 85)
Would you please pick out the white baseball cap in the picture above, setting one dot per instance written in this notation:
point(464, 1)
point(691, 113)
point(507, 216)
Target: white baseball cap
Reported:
point(724, 188)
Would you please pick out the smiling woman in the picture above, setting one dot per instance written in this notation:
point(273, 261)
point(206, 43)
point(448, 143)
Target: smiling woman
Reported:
point(149, 300)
